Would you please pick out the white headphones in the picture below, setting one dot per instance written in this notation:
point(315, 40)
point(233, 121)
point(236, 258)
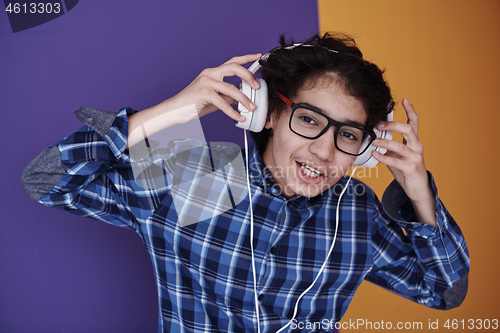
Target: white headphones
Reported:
point(255, 120)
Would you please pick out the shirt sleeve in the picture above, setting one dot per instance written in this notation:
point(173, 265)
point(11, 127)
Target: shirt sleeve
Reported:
point(424, 263)
point(91, 173)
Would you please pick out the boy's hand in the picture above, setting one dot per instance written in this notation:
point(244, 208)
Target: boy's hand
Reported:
point(406, 162)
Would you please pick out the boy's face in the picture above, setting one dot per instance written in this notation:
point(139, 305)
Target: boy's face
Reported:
point(286, 152)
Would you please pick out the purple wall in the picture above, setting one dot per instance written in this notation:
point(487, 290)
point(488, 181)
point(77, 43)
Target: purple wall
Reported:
point(62, 273)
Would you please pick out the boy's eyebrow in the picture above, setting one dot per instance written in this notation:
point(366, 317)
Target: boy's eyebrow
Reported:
point(345, 121)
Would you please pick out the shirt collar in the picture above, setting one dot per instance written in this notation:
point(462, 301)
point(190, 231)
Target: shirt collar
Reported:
point(259, 173)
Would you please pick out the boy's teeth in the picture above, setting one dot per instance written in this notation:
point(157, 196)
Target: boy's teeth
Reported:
point(310, 171)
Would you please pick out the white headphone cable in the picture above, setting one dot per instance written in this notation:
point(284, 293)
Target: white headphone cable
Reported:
point(327, 257)
point(251, 235)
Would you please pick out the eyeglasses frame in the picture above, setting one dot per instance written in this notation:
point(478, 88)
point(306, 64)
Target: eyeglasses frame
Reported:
point(331, 122)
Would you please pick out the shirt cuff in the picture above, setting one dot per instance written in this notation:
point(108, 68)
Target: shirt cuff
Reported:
point(100, 121)
point(399, 207)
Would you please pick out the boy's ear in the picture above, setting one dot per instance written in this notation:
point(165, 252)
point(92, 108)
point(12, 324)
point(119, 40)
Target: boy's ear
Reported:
point(269, 121)
point(268, 124)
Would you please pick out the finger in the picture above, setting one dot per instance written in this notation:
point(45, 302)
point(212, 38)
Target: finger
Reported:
point(233, 69)
point(228, 99)
point(397, 147)
point(393, 154)
point(245, 59)
point(411, 114)
point(234, 93)
point(393, 166)
point(388, 160)
point(406, 130)
point(404, 165)
point(220, 103)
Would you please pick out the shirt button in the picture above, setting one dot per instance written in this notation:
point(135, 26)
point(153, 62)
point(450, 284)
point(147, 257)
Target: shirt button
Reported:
point(273, 250)
point(409, 226)
point(261, 297)
point(90, 119)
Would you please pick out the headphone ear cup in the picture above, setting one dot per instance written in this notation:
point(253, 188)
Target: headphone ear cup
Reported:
point(255, 120)
point(366, 159)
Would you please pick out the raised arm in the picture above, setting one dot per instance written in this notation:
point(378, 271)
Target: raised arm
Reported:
point(89, 173)
point(426, 263)
point(207, 93)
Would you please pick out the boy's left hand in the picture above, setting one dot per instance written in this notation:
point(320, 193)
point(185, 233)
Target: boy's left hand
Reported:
point(405, 160)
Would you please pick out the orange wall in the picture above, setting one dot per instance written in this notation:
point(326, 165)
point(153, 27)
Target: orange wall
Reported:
point(444, 56)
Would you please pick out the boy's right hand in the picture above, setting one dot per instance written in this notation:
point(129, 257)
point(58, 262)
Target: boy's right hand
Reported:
point(209, 93)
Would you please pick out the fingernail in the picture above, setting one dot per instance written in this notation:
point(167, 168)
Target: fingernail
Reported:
point(256, 84)
point(242, 119)
point(376, 141)
point(381, 125)
point(253, 106)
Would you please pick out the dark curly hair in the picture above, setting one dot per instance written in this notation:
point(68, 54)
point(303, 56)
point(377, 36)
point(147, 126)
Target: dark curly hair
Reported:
point(288, 70)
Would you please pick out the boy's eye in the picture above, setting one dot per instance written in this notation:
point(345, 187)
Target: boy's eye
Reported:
point(348, 135)
point(308, 120)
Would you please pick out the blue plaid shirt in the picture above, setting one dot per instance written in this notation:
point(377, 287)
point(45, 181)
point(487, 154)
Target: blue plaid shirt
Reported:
point(189, 204)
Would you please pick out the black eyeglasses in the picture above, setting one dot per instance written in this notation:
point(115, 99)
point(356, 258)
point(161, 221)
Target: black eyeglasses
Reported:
point(311, 124)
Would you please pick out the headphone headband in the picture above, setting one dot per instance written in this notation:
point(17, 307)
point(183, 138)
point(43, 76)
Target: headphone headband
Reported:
point(256, 65)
